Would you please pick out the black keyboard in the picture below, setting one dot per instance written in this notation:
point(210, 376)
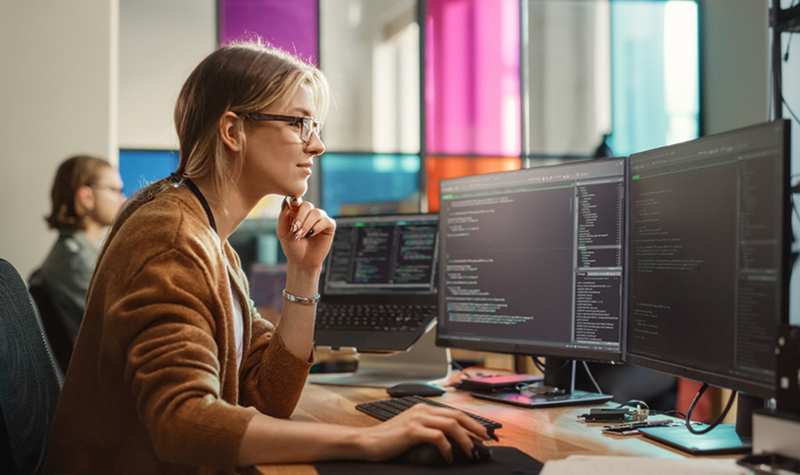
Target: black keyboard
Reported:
point(388, 408)
point(373, 317)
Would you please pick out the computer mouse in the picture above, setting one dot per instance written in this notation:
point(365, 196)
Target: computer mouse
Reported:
point(429, 454)
point(415, 389)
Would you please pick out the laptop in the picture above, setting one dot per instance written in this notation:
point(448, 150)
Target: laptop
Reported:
point(379, 289)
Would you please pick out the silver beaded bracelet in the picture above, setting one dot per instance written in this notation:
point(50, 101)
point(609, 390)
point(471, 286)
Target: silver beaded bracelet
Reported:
point(300, 300)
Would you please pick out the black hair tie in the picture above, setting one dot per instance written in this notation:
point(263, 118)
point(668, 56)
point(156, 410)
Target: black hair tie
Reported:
point(175, 177)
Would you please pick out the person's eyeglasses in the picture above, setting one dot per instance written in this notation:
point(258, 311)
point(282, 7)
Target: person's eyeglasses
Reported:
point(307, 124)
point(115, 189)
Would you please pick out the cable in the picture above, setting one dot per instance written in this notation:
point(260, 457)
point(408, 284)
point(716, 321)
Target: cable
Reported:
point(789, 43)
point(589, 372)
point(713, 424)
point(789, 109)
point(543, 367)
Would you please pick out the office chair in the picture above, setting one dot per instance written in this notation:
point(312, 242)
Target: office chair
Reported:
point(53, 322)
point(29, 388)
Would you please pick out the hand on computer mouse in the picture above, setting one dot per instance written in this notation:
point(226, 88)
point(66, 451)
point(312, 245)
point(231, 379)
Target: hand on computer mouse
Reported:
point(441, 428)
point(429, 454)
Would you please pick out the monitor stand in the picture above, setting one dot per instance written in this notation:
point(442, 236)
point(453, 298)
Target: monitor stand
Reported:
point(557, 389)
point(424, 361)
point(722, 440)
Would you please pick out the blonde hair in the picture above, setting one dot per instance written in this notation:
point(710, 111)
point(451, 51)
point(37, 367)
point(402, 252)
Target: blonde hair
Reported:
point(240, 77)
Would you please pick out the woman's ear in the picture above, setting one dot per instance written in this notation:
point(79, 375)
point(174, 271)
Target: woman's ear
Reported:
point(230, 132)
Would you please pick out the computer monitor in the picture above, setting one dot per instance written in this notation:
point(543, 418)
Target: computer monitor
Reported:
point(531, 263)
point(708, 255)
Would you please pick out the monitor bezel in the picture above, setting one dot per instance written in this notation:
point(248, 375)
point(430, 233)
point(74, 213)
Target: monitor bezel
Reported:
point(744, 385)
point(535, 349)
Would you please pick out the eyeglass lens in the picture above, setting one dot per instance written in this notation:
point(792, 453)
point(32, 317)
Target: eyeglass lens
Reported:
point(309, 126)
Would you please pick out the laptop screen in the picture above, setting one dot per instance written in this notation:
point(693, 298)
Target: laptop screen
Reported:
point(389, 254)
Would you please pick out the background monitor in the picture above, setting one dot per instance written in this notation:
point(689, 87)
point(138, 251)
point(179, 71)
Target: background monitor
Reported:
point(708, 254)
point(531, 261)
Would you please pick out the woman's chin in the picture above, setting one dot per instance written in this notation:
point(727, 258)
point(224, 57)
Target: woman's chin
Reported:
point(298, 191)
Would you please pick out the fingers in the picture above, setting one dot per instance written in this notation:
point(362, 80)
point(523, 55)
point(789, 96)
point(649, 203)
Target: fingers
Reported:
point(439, 424)
point(304, 220)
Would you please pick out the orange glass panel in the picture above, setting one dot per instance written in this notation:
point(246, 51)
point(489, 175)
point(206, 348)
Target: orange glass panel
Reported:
point(437, 168)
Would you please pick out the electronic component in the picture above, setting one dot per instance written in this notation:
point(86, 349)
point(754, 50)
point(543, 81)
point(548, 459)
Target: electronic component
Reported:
point(603, 414)
point(633, 428)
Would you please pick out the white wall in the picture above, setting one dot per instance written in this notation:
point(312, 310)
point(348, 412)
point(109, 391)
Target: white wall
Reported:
point(58, 79)
point(161, 41)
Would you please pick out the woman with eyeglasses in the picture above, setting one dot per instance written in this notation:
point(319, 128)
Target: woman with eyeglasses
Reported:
point(86, 195)
point(174, 371)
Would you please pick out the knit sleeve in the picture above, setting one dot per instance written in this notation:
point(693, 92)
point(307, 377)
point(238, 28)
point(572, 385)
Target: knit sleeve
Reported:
point(166, 320)
point(272, 378)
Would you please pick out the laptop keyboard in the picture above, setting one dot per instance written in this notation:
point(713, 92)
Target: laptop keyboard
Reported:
point(373, 317)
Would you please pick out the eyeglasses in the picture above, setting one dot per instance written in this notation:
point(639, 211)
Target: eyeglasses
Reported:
point(307, 124)
point(115, 189)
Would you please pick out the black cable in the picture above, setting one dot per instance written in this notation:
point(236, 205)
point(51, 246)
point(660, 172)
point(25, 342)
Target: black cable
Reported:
point(789, 109)
point(456, 365)
point(543, 367)
point(539, 365)
point(716, 422)
point(789, 43)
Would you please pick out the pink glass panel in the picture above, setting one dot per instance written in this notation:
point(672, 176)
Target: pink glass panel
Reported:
point(472, 93)
point(291, 25)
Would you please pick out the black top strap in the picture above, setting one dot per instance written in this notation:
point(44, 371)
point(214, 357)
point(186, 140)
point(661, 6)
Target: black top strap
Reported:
point(203, 201)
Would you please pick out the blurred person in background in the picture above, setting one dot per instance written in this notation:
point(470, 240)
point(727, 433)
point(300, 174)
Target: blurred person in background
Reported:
point(86, 195)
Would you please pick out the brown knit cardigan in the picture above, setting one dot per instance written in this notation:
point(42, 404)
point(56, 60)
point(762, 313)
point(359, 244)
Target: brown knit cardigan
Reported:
point(152, 387)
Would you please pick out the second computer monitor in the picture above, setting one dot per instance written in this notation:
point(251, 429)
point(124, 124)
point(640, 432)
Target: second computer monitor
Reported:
point(531, 261)
point(708, 267)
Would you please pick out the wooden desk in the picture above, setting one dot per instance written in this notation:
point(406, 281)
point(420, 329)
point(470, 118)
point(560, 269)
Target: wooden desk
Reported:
point(545, 434)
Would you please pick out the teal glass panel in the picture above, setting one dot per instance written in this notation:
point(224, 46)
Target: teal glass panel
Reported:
point(369, 184)
point(654, 74)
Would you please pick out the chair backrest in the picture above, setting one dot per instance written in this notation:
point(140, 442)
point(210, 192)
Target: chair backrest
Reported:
point(53, 319)
point(29, 387)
